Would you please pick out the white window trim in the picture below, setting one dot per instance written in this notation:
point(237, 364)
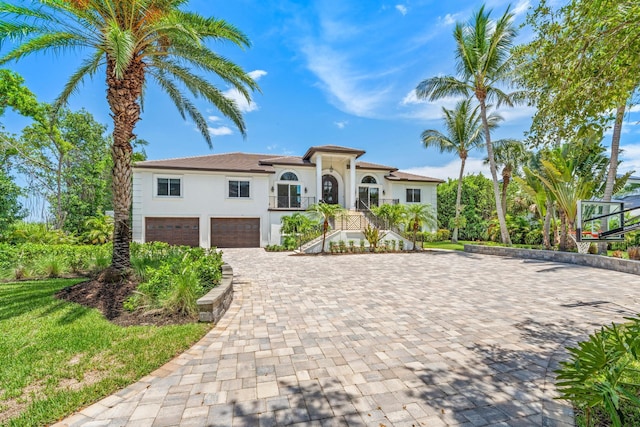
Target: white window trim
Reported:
point(238, 178)
point(168, 196)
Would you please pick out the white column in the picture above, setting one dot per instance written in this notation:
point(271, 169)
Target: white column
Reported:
point(318, 177)
point(352, 183)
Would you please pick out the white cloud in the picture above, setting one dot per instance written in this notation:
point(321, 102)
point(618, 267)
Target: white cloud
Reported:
point(220, 131)
point(426, 110)
point(242, 103)
point(521, 7)
point(402, 9)
point(473, 165)
point(348, 90)
point(341, 124)
point(510, 114)
point(630, 157)
point(449, 19)
point(214, 118)
point(634, 108)
point(256, 74)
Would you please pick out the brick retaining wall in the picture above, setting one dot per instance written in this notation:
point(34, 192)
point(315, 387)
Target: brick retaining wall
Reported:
point(597, 261)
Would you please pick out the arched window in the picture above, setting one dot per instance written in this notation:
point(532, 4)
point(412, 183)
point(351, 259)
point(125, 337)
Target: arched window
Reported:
point(289, 194)
point(289, 176)
point(369, 180)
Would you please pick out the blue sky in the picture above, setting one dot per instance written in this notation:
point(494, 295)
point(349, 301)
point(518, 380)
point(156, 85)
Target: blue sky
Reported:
point(338, 72)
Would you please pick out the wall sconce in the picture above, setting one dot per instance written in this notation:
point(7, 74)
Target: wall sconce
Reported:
point(272, 188)
point(305, 190)
point(383, 193)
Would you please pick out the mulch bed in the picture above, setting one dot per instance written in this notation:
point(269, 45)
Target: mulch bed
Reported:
point(108, 296)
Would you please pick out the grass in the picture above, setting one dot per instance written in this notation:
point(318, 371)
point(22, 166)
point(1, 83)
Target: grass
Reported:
point(444, 245)
point(57, 357)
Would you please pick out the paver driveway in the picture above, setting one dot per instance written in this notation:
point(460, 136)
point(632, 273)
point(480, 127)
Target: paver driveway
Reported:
point(431, 339)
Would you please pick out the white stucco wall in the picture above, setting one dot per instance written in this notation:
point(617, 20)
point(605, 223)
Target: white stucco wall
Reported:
point(204, 195)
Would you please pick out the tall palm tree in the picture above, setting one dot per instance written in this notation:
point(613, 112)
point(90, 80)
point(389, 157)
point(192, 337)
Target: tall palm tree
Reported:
point(483, 63)
point(325, 212)
point(417, 216)
point(464, 133)
point(510, 154)
point(132, 41)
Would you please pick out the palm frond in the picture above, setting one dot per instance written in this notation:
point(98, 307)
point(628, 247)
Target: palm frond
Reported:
point(45, 42)
point(120, 45)
point(440, 87)
point(88, 68)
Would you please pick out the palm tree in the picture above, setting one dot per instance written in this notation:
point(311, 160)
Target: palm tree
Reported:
point(483, 64)
point(510, 154)
point(417, 216)
point(464, 133)
point(132, 40)
point(325, 212)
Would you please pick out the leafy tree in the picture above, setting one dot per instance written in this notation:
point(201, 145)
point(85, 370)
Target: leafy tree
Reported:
point(476, 203)
point(539, 193)
point(133, 41)
point(510, 154)
point(419, 215)
point(464, 133)
point(325, 212)
point(483, 62)
point(14, 94)
point(582, 69)
point(65, 157)
point(10, 207)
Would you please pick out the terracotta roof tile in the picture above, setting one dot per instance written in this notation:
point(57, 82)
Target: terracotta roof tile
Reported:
point(332, 149)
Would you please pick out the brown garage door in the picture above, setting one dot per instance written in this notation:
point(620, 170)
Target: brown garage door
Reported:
point(175, 231)
point(235, 232)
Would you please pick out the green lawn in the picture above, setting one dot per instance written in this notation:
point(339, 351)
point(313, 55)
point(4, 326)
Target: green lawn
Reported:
point(444, 245)
point(57, 357)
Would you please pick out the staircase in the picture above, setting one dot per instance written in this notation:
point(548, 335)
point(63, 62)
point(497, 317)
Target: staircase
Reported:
point(306, 248)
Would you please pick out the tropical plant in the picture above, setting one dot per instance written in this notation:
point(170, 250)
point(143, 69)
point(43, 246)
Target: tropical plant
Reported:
point(132, 40)
point(510, 154)
point(391, 215)
point(483, 63)
point(325, 212)
point(599, 372)
point(99, 229)
point(298, 229)
point(464, 133)
point(373, 236)
point(418, 216)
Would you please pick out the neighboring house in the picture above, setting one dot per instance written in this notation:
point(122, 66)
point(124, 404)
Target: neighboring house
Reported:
point(238, 199)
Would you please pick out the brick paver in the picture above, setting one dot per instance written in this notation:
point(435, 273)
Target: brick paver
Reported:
point(431, 339)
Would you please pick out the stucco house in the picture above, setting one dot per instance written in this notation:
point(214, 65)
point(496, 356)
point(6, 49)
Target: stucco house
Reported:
point(238, 199)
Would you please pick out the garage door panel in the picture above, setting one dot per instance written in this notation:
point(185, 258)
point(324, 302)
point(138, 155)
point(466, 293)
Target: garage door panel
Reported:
point(235, 232)
point(175, 231)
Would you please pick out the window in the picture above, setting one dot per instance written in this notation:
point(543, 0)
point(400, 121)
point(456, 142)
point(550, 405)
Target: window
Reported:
point(369, 180)
point(169, 187)
point(289, 176)
point(289, 196)
point(239, 189)
point(413, 195)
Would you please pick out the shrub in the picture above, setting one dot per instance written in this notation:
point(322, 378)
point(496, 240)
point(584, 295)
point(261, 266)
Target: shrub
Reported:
point(634, 252)
point(442, 235)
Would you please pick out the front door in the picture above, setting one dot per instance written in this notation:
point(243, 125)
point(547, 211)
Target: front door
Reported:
point(329, 190)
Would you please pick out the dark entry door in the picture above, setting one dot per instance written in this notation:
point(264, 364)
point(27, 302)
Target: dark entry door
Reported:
point(330, 190)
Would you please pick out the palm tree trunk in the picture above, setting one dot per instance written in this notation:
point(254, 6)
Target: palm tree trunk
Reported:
point(546, 229)
point(123, 95)
point(325, 227)
point(454, 236)
point(506, 179)
point(563, 232)
point(504, 233)
point(613, 169)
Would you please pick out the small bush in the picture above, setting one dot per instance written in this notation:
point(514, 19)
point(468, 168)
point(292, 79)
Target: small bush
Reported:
point(634, 253)
point(442, 235)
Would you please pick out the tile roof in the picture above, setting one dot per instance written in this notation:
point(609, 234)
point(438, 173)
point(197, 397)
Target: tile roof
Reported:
point(332, 149)
point(263, 163)
point(404, 176)
point(232, 162)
